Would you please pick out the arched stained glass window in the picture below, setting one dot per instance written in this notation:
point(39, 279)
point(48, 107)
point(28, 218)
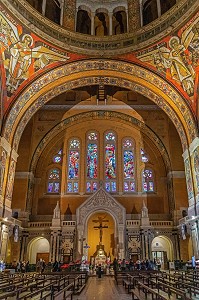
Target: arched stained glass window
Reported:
point(92, 162)
point(147, 180)
point(54, 181)
point(128, 165)
point(73, 166)
point(110, 162)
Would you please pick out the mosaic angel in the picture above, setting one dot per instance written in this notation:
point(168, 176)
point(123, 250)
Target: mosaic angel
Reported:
point(22, 54)
point(178, 59)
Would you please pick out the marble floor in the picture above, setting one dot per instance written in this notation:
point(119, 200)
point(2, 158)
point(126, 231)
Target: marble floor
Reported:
point(103, 288)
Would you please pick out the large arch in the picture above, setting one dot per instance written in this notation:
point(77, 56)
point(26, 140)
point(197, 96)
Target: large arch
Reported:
point(93, 72)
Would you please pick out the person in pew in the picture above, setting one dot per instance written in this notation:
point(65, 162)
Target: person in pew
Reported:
point(43, 265)
point(123, 264)
point(99, 271)
point(55, 266)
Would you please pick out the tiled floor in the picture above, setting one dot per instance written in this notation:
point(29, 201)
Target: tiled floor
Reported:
point(103, 288)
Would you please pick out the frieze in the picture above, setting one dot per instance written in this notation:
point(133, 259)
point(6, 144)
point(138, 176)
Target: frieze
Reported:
point(110, 45)
point(126, 68)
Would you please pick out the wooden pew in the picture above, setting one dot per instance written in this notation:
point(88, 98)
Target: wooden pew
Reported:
point(64, 293)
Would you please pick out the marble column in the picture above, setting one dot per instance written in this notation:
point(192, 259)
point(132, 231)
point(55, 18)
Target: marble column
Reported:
point(158, 8)
point(44, 7)
point(110, 16)
point(92, 23)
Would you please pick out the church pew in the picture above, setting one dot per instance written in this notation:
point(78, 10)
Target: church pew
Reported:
point(64, 293)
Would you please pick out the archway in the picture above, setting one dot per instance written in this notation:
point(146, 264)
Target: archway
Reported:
point(102, 202)
point(101, 234)
point(117, 73)
point(38, 248)
point(162, 250)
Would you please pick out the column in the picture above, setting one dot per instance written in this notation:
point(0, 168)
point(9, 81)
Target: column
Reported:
point(141, 12)
point(121, 239)
point(194, 153)
point(133, 15)
point(23, 253)
point(69, 14)
point(10, 184)
point(92, 23)
point(194, 234)
point(62, 12)
point(158, 8)
point(5, 150)
point(110, 16)
point(189, 182)
point(4, 236)
point(44, 7)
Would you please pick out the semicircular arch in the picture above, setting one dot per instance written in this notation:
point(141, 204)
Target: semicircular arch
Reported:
point(94, 72)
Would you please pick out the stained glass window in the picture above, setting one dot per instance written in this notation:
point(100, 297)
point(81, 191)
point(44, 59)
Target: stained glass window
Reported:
point(92, 162)
point(110, 136)
point(147, 181)
point(144, 156)
point(57, 158)
point(54, 181)
point(128, 166)
point(110, 162)
point(73, 166)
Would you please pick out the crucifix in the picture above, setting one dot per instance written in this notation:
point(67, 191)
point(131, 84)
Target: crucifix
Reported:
point(100, 227)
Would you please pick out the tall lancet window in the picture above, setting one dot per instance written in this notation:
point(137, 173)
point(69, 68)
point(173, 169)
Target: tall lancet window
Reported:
point(128, 165)
point(92, 162)
point(147, 180)
point(73, 166)
point(110, 162)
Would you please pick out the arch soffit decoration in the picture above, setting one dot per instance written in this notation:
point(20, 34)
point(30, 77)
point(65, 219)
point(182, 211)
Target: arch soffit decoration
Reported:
point(121, 74)
point(99, 201)
point(94, 115)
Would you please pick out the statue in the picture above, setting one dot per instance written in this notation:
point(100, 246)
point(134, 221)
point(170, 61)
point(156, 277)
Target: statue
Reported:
point(144, 212)
point(57, 213)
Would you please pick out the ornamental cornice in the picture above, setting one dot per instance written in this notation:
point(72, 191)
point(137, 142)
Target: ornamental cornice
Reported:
point(108, 46)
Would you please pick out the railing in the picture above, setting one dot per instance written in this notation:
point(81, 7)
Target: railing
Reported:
point(132, 223)
point(39, 224)
point(68, 223)
point(49, 224)
point(161, 223)
point(136, 223)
